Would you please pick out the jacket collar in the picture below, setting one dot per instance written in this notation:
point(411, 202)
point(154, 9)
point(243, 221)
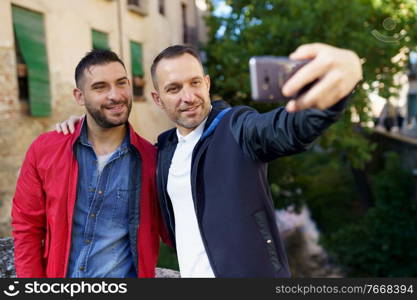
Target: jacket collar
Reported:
point(218, 106)
point(77, 132)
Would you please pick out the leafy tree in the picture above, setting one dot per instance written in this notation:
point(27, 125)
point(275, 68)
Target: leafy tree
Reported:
point(383, 242)
point(380, 31)
point(326, 186)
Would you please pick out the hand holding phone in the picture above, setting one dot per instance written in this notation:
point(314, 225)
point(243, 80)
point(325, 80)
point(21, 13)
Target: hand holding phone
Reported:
point(268, 75)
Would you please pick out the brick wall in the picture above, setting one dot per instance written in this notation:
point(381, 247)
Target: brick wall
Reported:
point(18, 129)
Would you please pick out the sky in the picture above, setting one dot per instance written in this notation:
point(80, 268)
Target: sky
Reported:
point(221, 8)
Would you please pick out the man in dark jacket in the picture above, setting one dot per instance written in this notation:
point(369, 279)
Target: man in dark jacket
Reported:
point(212, 169)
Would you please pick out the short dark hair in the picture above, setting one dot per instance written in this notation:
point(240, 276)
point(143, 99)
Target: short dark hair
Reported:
point(172, 52)
point(92, 58)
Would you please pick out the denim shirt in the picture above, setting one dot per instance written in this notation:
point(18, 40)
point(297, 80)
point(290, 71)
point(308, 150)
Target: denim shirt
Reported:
point(105, 213)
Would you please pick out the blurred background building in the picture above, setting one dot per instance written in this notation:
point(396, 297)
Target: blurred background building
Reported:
point(41, 42)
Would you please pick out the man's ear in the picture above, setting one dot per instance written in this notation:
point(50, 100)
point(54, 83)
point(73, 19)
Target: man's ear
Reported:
point(79, 96)
point(157, 99)
point(207, 79)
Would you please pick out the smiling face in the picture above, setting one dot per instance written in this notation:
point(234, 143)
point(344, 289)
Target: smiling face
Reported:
point(106, 93)
point(183, 91)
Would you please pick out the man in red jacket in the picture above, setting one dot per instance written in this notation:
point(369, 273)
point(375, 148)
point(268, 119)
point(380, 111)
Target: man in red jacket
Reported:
point(85, 204)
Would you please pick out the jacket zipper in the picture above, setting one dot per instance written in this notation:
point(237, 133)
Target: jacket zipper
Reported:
point(197, 152)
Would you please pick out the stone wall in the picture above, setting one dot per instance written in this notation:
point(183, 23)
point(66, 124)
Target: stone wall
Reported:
point(8, 109)
point(67, 38)
point(7, 269)
point(17, 131)
point(8, 83)
point(6, 259)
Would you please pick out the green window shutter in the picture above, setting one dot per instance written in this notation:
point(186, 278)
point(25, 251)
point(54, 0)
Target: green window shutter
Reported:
point(30, 35)
point(136, 58)
point(100, 40)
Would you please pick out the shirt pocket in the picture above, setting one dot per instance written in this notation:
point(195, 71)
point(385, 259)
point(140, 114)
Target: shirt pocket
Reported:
point(120, 215)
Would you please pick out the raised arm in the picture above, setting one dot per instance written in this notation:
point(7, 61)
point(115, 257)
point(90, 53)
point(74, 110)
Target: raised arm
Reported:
point(267, 136)
point(289, 130)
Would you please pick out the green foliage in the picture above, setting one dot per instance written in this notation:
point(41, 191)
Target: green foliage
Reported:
point(384, 241)
point(167, 258)
point(325, 181)
point(278, 27)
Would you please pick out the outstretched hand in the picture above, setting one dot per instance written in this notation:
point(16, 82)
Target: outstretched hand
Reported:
point(336, 70)
point(67, 126)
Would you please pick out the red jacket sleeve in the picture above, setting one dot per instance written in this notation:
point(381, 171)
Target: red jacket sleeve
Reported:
point(29, 219)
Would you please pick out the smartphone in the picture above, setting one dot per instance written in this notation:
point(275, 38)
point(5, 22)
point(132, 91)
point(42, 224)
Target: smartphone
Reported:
point(268, 75)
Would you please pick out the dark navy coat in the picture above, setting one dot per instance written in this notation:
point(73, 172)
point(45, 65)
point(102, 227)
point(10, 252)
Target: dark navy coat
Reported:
point(229, 182)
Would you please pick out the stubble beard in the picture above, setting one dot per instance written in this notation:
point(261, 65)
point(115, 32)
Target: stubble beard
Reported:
point(192, 124)
point(104, 122)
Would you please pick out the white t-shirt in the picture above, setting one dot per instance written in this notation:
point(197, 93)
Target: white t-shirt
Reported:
point(192, 256)
point(102, 161)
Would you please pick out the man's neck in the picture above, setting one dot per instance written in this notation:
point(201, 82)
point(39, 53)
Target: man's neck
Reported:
point(105, 140)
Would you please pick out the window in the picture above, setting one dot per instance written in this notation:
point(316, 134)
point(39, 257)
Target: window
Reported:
point(138, 6)
point(100, 40)
point(32, 60)
point(184, 23)
point(138, 82)
point(133, 2)
point(161, 7)
point(22, 74)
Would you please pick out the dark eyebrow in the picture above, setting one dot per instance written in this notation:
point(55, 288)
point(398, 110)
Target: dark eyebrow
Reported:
point(172, 84)
point(122, 78)
point(103, 82)
point(98, 83)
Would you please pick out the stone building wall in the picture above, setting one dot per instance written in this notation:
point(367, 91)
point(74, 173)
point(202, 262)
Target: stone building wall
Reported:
point(68, 26)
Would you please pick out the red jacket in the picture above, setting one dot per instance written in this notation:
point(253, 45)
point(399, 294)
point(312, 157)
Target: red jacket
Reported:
point(43, 207)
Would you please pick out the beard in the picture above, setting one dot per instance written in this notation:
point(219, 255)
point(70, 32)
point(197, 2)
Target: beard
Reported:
point(103, 121)
point(189, 124)
point(192, 123)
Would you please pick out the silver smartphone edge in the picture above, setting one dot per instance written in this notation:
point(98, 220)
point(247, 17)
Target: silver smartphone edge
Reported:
point(253, 78)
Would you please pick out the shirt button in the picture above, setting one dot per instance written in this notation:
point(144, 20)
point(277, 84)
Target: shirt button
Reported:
point(82, 268)
point(100, 192)
point(269, 241)
point(92, 215)
point(87, 241)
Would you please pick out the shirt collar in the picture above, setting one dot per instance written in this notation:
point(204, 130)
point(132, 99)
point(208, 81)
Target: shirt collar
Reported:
point(83, 138)
point(195, 134)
